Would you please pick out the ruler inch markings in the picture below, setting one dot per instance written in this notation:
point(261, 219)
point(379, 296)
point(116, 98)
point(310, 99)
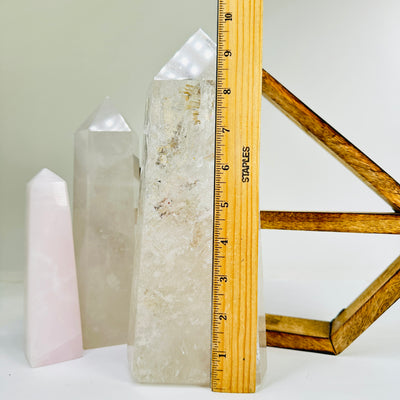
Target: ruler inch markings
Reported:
point(236, 207)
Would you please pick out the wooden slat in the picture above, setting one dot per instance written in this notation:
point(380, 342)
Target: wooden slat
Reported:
point(298, 326)
point(298, 333)
point(334, 337)
point(368, 307)
point(332, 222)
point(361, 165)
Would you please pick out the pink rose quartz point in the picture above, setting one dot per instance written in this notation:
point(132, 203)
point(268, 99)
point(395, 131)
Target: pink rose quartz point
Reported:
point(52, 315)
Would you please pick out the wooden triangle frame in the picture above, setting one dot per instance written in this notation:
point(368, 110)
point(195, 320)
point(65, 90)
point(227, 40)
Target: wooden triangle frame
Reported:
point(334, 336)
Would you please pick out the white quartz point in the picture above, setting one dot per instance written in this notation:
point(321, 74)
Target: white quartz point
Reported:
point(194, 60)
point(106, 189)
point(53, 322)
point(105, 119)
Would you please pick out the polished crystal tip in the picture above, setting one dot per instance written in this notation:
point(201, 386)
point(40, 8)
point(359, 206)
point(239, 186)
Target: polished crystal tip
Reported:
point(105, 118)
point(194, 60)
point(45, 176)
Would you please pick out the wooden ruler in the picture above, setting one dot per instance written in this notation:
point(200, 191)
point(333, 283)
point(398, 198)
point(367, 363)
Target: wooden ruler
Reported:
point(236, 205)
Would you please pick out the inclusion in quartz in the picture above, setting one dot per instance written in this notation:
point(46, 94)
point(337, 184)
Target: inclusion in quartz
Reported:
point(106, 190)
point(52, 317)
point(170, 327)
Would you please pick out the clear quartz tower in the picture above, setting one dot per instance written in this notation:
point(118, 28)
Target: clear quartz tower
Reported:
point(170, 320)
point(106, 190)
point(170, 327)
point(169, 339)
point(52, 317)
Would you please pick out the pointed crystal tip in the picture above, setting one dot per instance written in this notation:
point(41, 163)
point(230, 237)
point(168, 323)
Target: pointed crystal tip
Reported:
point(105, 119)
point(194, 60)
point(45, 176)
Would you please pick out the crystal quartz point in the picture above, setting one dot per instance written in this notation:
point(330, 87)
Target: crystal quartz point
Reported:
point(170, 323)
point(106, 190)
point(53, 322)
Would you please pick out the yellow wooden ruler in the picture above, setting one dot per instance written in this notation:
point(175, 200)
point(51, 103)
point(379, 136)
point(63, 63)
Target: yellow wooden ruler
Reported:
point(236, 205)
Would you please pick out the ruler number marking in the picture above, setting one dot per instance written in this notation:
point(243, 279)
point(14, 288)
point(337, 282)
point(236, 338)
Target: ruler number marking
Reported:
point(228, 16)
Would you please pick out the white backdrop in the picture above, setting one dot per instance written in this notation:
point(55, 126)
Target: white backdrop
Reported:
point(59, 59)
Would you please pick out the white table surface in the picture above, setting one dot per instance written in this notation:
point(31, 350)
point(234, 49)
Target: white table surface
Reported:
point(368, 369)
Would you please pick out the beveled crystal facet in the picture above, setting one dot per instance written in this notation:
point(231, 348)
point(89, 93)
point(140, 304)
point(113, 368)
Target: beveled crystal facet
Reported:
point(194, 60)
point(106, 190)
point(52, 317)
